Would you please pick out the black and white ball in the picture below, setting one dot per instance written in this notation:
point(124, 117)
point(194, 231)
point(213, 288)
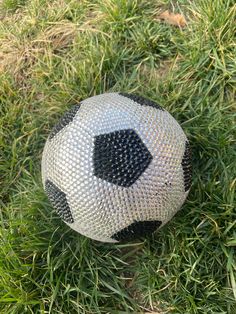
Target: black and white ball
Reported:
point(116, 167)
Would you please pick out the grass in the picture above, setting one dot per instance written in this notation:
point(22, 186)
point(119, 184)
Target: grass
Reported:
point(55, 53)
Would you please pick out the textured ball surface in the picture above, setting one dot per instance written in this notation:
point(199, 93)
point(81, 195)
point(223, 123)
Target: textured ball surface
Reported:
point(116, 167)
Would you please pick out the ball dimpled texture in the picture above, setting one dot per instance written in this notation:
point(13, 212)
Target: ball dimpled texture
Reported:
point(116, 167)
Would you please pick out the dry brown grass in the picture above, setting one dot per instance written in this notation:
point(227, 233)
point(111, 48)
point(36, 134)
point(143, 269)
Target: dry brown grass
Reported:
point(159, 73)
point(18, 56)
point(19, 53)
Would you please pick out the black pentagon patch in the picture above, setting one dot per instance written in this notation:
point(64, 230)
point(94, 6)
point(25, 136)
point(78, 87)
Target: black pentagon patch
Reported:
point(120, 157)
point(136, 230)
point(59, 201)
point(142, 101)
point(187, 167)
point(66, 119)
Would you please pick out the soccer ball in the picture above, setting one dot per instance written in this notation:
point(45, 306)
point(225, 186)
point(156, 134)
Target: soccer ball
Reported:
point(116, 167)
